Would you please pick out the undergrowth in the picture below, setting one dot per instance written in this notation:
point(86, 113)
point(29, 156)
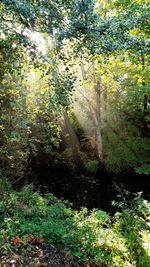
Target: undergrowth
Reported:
point(92, 237)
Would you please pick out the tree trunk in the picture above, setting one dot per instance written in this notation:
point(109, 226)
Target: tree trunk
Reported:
point(98, 129)
point(72, 138)
point(96, 111)
point(146, 130)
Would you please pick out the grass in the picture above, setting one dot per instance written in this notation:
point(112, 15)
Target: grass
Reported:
point(91, 237)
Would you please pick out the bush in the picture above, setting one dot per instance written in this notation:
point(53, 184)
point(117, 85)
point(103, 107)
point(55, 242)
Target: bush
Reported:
point(92, 237)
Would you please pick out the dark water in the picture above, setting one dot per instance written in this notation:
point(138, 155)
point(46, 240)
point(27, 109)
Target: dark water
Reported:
point(84, 190)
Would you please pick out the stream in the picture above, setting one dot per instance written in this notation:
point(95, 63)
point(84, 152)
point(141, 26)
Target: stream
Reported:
point(84, 190)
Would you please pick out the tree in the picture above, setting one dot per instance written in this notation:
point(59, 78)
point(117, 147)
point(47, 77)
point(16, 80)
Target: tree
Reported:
point(113, 44)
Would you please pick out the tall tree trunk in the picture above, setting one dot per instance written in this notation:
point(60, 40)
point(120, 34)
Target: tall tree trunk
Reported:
point(145, 104)
point(105, 98)
point(72, 138)
point(96, 111)
point(98, 129)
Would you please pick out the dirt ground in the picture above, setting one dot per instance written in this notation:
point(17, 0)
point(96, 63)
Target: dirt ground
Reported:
point(43, 255)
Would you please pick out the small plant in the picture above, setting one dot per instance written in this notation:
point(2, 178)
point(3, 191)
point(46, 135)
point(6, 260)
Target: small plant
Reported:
point(92, 166)
point(144, 169)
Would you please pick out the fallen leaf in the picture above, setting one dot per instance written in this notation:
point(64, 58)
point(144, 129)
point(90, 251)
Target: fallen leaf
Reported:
point(31, 238)
point(17, 240)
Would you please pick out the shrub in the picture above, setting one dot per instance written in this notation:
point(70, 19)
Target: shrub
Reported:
point(92, 237)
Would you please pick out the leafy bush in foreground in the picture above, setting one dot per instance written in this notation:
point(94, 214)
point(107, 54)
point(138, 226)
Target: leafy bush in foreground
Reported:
point(91, 237)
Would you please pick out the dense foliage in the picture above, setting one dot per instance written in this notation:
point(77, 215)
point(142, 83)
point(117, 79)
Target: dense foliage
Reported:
point(100, 49)
point(74, 90)
point(91, 237)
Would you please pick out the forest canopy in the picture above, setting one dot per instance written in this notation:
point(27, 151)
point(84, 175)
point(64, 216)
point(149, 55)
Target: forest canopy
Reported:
point(74, 79)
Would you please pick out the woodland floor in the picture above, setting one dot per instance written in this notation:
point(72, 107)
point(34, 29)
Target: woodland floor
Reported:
point(37, 256)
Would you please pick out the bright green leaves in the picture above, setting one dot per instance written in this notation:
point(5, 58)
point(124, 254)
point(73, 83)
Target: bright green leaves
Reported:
point(98, 30)
point(63, 85)
point(21, 11)
point(114, 32)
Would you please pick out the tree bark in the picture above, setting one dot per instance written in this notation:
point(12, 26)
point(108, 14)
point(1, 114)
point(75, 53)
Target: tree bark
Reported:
point(146, 129)
point(73, 139)
point(98, 129)
point(96, 111)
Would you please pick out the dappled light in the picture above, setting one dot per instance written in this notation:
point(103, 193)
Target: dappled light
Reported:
point(74, 133)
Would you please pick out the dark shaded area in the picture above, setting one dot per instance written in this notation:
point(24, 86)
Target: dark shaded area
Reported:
point(88, 190)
